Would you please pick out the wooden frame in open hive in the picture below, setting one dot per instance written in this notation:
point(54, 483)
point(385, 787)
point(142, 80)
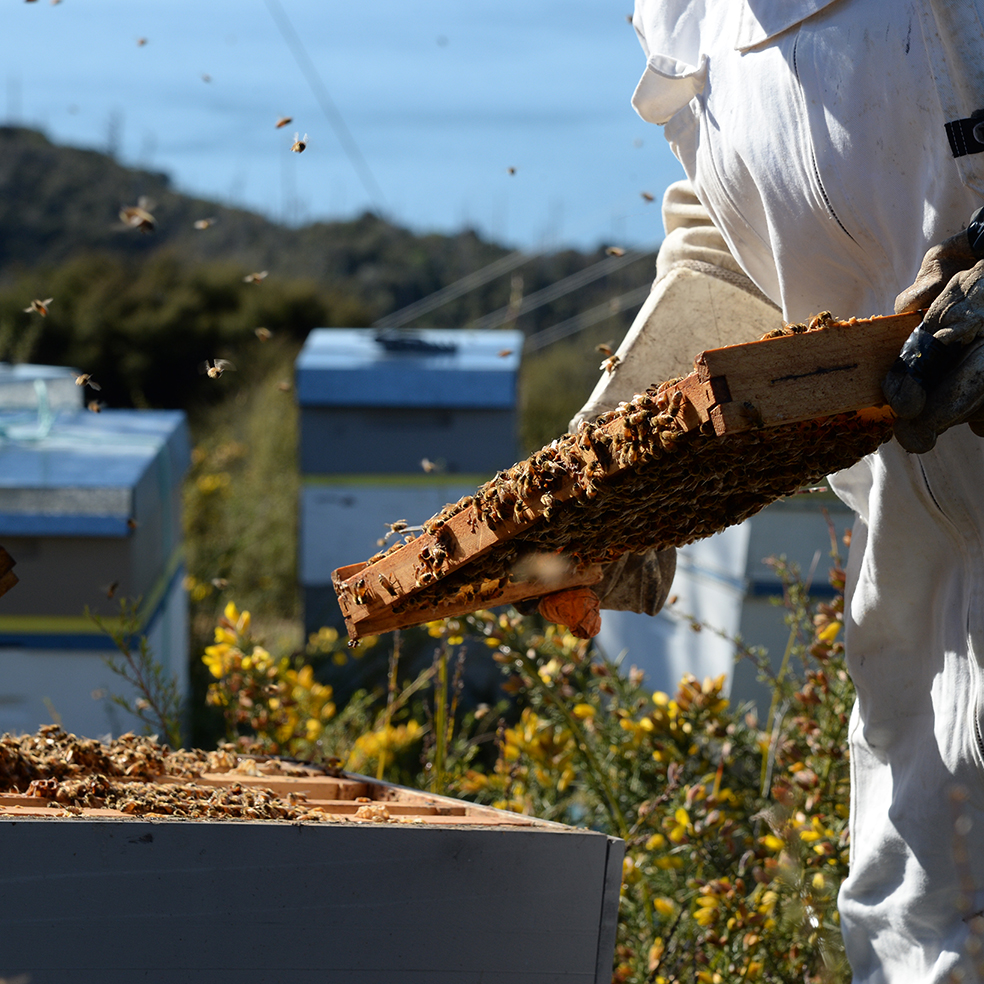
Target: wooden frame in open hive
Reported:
point(818, 386)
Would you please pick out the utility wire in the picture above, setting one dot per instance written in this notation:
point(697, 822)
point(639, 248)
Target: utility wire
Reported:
point(587, 318)
point(576, 280)
point(467, 283)
point(327, 104)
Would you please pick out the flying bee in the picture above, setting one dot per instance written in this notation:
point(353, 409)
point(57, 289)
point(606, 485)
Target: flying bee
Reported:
point(86, 380)
point(220, 583)
point(132, 523)
point(111, 589)
point(94, 406)
point(615, 250)
point(138, 216)
point(284, 386)
point(300, 144)
point(505, 353)
point(41, 307)
point(256, 278)
point(206, 77)
point(647, 197)
point(428, 465)
point(216, 369)
point(263, 334)
point(605, 349)
point(141, 42)
point(205, 223)
point(283, 121)
point(511, 170)
point(610, 364)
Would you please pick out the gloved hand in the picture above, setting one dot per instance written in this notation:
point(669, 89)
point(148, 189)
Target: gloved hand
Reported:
point(633, 583)
point(938, 380)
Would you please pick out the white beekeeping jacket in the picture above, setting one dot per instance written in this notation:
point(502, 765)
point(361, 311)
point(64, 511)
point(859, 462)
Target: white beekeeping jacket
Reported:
point(815, 134)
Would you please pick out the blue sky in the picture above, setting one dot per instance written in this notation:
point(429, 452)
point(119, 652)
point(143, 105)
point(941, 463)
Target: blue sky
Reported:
point(441, 98)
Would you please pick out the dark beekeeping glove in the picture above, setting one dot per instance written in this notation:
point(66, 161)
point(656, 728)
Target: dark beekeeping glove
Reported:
point(938, 379)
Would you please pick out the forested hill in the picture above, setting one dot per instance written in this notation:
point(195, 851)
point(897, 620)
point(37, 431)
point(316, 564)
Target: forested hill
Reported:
point(142, 310)
point(57, 203)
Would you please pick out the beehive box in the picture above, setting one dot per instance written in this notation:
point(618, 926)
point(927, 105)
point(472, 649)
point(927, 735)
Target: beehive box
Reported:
point(373, 407)
point(361, 882)
point(90, 510)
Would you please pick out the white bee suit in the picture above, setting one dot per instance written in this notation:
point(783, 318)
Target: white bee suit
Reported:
point(813, 132)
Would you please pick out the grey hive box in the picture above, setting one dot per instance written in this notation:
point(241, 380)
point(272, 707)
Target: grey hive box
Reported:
point(373, 405)
point(464, 895)
point(87, 501)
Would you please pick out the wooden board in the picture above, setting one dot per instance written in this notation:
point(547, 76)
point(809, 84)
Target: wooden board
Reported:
point(767, 383)
point(107, 900)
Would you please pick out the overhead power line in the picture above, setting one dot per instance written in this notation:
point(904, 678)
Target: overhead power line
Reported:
point(587, 318)
point(576, 280)
point(468, 283)
point(328, 107)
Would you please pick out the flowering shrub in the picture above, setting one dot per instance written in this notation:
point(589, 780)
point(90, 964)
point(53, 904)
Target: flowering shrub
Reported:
point(281, 705)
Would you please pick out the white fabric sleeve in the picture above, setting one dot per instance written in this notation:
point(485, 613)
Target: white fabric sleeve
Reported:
point(700, 300)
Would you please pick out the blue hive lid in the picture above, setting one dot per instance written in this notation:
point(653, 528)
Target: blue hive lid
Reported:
point(77, 473)
point(366, 367)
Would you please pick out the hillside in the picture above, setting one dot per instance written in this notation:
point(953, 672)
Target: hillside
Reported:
point(58, 203)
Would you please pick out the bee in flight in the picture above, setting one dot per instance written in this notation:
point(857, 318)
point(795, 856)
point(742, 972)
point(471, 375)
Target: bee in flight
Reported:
point(283, 121)
point(94, 406)
point(138, 216)
point(204, 223)
point(256, 278)
point(216, 369)
point(41, 307)
point(300, 144)
point(263, 334)
point(84, 379)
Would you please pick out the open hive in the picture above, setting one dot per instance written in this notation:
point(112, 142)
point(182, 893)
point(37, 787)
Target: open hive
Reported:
point(679, 462)
point(126, 861)
point(53, 773)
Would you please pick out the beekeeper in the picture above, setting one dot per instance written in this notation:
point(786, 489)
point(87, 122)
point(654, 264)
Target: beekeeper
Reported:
point(827, 146)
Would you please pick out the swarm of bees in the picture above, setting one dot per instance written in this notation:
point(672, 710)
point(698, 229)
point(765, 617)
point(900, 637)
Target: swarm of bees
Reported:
point(634, 480)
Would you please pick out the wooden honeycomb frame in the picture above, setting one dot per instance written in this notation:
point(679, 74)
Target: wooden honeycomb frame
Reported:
point(835, 367)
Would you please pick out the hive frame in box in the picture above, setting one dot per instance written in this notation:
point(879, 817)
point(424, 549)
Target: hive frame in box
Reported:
point(836, 368)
